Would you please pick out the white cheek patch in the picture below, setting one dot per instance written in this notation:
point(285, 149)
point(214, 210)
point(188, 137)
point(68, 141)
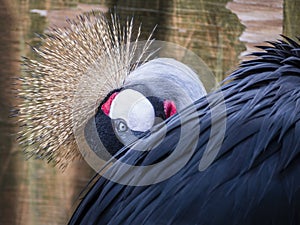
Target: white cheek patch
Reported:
point(134, 108)
point(141, 115)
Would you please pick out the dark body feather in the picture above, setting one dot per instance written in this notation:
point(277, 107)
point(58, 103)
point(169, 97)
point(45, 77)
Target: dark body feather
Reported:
point(255, 176)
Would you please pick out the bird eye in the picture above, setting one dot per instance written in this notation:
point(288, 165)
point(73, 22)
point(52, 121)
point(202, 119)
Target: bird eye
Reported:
point(122, 127)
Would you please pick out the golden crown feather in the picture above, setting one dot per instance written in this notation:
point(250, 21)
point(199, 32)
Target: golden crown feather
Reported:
point(93, 45)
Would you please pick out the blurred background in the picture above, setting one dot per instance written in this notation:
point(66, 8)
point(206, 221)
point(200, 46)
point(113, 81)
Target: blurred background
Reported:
point(221, 32)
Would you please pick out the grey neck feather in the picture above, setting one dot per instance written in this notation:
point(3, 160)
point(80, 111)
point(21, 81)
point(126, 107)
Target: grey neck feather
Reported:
point(169, 79)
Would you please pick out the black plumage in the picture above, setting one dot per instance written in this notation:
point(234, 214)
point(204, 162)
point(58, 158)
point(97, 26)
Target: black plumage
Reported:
point(255, 176)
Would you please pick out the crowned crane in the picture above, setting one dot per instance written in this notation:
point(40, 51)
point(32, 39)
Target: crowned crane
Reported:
point(254, 178)
point(227, 157)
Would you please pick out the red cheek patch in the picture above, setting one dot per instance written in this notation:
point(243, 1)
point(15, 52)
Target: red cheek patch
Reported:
point(169, 108)
point(106, 105)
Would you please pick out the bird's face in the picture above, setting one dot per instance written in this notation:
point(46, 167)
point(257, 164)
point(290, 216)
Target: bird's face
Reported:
point(126, 115)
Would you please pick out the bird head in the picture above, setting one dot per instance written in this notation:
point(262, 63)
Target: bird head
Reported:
point(95, 84)
point(150, 95)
